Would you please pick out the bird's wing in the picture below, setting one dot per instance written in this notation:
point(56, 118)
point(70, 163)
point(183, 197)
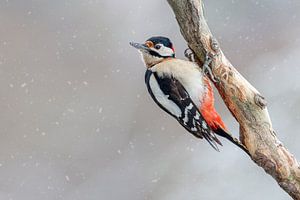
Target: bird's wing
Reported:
point(190, 118)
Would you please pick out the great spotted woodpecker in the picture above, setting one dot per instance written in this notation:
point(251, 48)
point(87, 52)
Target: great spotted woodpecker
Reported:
point(182, 90)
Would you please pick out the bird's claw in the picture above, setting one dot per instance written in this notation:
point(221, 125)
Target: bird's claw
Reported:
point(207, 70)
point(189, 54)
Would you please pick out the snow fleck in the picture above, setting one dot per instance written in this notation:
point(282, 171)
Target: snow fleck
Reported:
point(71, 110)
point(43, 133)
point(100, 110)
point(50, 187)
point(190, 149)
point(155, 180)
point(23, 85)
point(67, 178)
point(11, 85)
point(85, 83)
point(151, 144)
point(119, 151)
point(131, 145)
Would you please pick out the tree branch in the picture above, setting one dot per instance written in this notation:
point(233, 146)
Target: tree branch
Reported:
point(242, 99)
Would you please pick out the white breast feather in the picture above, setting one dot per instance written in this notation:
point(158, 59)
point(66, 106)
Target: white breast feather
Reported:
point(162, 98)
point(187, 73)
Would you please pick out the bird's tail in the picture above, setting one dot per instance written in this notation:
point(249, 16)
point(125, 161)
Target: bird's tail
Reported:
point(212, 140)
point(232, 139)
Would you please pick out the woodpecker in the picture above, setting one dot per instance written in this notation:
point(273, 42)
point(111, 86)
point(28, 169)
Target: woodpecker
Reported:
point(182, 89)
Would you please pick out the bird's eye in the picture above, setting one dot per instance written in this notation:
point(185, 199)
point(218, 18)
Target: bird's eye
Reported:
point(157, 46)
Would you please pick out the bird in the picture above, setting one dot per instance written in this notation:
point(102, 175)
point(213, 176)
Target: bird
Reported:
point(182, 89)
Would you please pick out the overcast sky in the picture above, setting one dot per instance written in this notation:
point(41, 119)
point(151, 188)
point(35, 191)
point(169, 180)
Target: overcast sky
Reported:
point(78, 124)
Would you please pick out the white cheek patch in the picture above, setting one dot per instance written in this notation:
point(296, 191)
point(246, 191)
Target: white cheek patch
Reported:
point(164, 51)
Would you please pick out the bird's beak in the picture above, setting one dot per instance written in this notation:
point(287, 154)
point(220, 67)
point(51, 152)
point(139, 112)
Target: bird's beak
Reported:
point(139, 46)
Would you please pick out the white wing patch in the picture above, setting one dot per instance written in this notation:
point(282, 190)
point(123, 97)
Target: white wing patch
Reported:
point(197, 116)
point(186, 110)
point(162, 98)
point(204, 124)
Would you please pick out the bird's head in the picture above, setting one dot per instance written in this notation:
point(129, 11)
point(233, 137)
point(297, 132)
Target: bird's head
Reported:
point(155, 49)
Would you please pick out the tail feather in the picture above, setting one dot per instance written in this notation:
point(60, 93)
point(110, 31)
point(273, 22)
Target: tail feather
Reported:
point(232, 139)
point(211, 138)
point(211, 141)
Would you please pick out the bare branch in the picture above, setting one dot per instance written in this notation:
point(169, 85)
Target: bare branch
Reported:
point(245, 103)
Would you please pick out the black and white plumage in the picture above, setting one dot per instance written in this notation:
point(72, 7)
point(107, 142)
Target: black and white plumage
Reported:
point(170, 95)
point(176, 86)
point(181, 89)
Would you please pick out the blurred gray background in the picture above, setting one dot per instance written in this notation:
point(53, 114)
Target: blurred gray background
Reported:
point(78, 124)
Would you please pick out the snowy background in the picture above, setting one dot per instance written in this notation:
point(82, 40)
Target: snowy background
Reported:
point(77, 122)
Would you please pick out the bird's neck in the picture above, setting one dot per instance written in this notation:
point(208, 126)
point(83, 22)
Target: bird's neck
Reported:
point(150, 60)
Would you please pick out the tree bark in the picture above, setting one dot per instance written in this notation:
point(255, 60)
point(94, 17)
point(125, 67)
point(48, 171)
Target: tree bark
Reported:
point(245, 103)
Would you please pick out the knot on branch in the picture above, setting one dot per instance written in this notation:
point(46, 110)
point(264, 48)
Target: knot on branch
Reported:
point(189, 54)
point(260, 101)
point(214, 44)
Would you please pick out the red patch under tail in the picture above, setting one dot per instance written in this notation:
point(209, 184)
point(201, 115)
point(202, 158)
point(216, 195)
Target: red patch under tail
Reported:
point(208, 111)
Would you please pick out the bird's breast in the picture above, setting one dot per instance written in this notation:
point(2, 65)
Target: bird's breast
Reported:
point(189, 75)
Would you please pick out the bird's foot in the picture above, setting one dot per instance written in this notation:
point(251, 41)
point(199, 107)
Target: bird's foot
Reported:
point(207, 70)
point(189, 54)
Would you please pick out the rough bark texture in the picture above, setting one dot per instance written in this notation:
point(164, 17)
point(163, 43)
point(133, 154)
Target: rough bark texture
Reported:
point(242, 99)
